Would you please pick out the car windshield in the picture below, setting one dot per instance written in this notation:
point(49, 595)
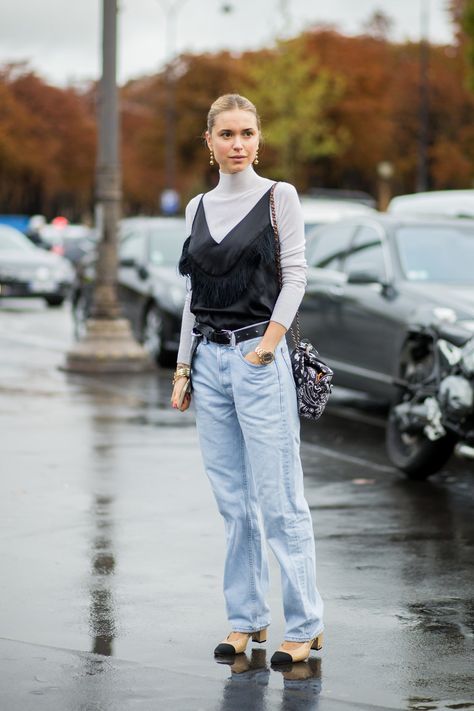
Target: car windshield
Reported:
point(437, 253)
point(166, 244)
point(13, 241)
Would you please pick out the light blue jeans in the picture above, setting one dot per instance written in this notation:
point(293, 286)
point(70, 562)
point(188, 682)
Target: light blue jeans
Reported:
point(248, 429)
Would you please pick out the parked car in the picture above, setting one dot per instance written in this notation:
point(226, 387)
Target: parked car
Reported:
point(151, 292)
point(345, 194)
point(373, 282)
point(443, 203)
point(321, 211)
point(18, 222)
point(69, 241)
point(27, 271)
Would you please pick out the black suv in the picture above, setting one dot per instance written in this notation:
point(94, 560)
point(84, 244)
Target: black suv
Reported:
point(370, 279)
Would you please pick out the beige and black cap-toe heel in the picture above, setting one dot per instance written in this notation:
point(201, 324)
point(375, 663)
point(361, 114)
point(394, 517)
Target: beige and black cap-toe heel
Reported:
point(239, 644)
point(296, 654)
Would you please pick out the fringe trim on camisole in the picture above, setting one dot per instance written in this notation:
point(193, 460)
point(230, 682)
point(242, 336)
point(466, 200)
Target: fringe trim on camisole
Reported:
point(222, 290)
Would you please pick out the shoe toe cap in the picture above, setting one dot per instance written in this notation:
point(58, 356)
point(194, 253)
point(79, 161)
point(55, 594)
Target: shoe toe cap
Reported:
point(224, 649)
point(281, 658)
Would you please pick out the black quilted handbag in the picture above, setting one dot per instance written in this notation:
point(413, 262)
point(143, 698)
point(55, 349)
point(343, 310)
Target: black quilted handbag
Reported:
point(313, 377)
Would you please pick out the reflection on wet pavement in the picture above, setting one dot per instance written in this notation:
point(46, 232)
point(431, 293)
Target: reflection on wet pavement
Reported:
point(102, 607)
point(112, 547)
point(247, 686)
point(421, 703)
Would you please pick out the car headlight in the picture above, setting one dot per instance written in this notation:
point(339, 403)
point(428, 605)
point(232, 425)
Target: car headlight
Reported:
point(42, 274)
point(466, 323)
point(444, 313)
point(64, 272)
point(449, 315)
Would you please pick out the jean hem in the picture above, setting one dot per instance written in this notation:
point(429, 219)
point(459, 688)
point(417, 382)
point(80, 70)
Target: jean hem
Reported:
point(251, 631)
point(290, 638)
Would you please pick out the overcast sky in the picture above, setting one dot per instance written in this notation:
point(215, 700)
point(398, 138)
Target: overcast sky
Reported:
point(61, 38)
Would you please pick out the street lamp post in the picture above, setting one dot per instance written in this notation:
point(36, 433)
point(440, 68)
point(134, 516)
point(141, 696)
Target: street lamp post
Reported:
point(108, 345)
point(423, 114)
point(108, 183)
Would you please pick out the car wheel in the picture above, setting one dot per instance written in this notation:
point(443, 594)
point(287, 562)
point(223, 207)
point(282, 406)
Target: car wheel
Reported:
point(55, 300)
point(415, 454)
point(152, 333)
point(80, 314)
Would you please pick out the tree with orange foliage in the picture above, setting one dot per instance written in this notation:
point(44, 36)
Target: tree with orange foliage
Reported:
point(198, 80)
point(333, 107)
point(47, 146)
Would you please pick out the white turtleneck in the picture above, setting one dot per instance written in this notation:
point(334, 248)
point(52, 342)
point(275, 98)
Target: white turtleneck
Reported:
point(234, 196)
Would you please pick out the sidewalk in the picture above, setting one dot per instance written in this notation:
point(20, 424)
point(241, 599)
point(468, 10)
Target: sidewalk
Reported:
point(112, 554)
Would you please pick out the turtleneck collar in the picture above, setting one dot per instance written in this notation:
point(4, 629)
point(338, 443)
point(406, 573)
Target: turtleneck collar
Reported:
point(238, 182)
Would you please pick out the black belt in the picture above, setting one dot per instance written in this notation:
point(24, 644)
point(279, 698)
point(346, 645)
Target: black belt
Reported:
point(227, 337)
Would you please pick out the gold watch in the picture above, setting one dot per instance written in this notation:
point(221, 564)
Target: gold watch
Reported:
point(265, 357)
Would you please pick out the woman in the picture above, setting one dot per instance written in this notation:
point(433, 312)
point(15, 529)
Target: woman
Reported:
point(243, 387)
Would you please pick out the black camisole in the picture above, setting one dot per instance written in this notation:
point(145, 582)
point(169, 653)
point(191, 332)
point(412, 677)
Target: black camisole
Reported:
point(234, 282)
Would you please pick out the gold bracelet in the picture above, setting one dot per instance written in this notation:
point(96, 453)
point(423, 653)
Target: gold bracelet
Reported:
point(181, 373)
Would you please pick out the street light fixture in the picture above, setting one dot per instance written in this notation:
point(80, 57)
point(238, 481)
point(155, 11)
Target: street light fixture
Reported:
point(170, 197)
point(171, 10)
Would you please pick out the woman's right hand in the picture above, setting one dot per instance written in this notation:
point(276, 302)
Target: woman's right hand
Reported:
point(178, 386)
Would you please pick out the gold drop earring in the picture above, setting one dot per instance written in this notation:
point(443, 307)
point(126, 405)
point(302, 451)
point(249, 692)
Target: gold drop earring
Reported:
point(211, 157)
point(255, 161)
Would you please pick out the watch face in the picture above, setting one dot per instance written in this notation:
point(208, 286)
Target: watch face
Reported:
point(266, 357)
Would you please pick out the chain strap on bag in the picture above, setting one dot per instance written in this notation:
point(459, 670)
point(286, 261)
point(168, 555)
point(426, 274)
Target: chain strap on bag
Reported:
point(313, 377)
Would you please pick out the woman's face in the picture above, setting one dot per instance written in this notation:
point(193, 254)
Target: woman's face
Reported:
point(234, 140)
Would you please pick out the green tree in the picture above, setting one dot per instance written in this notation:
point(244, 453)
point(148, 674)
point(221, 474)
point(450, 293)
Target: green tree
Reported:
point(294, 96)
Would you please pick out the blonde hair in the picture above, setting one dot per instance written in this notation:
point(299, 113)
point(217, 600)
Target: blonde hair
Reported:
point(229, 102)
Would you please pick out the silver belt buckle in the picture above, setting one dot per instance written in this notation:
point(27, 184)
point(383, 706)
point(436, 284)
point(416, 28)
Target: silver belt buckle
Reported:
point(231, 334)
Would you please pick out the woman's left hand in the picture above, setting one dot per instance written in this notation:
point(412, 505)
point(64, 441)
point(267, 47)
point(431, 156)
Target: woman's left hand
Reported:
point(253, 358)
point(272, 337)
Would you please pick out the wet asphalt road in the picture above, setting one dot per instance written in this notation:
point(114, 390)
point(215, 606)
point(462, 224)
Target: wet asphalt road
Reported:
point(112, 553)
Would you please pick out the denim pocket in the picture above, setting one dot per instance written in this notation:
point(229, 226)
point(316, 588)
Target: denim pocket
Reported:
point(246, 347)
point(285, 354)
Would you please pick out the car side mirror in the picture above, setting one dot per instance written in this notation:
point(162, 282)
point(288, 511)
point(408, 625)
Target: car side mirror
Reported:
point(366, 276)
point(363, 276)
point(127, 262)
